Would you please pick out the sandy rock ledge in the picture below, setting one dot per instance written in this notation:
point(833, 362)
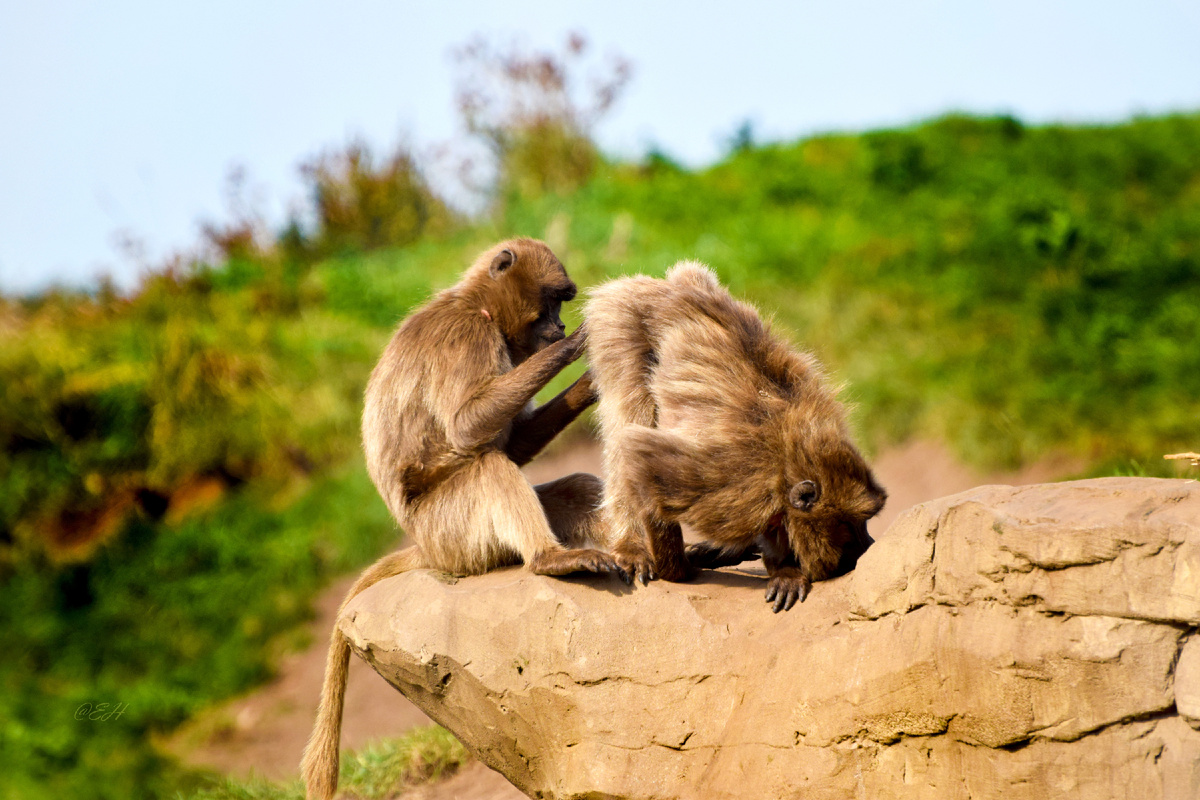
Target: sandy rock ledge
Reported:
point(1005, 642)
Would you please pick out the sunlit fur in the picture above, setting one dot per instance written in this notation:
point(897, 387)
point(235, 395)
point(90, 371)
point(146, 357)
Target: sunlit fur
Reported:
point(709, 418)
point(447, 422)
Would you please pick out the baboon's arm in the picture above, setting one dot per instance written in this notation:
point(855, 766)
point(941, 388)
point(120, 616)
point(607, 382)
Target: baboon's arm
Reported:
point(481, 418)
point(533, 432)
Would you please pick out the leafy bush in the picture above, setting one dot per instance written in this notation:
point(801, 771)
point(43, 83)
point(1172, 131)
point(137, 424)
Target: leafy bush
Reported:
point(529, 111)
point(112, 403)
point(361, 205)
point(163, 619)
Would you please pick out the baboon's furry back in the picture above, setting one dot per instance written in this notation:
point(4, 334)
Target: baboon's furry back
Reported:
point(711, 418)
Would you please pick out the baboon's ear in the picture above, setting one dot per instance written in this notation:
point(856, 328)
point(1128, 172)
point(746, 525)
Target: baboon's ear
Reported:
point(804, 495)
point(502, 262)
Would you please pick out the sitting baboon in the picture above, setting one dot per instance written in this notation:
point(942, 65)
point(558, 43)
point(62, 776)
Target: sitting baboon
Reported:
point(710, 419)
point(447, 423)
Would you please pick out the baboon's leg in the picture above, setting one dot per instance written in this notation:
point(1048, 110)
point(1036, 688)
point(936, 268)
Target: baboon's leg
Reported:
point(624, 520)
point(666, 548)
point(621, 359)
point(572, 507)
point(513, 511)
point(626, 402)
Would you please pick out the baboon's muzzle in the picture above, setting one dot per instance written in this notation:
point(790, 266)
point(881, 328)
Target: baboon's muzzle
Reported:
point(853, 550)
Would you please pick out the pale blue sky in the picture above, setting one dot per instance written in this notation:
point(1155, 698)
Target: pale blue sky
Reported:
point(126, 116)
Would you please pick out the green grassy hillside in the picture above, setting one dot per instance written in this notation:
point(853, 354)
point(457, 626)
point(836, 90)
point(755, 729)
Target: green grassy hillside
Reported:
point(180, 468)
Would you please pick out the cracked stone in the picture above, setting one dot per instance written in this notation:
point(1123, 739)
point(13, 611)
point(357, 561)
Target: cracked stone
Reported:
point(1002, 643)
point(1187, 682)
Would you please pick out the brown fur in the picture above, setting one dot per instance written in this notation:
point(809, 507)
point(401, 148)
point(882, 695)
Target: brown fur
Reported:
point(447, 423)
point(710, 419)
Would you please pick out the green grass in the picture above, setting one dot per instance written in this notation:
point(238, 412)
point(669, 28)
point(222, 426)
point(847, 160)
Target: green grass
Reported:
point(383, 770)
point(1012, 291)
point(165, 619)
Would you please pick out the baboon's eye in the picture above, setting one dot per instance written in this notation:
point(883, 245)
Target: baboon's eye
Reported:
point(804, 495)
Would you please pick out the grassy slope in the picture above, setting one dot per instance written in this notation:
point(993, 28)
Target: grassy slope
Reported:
point(378, 772)
point(1010, 290)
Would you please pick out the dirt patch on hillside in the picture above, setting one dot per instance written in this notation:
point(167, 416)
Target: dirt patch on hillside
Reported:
point(264, 733)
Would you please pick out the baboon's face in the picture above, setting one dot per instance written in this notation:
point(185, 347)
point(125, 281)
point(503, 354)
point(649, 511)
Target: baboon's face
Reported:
point(548, 328)
point(828, 505)
point(537, 285)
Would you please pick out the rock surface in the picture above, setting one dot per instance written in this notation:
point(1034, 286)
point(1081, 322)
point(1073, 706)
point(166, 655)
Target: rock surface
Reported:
point(1004, 642)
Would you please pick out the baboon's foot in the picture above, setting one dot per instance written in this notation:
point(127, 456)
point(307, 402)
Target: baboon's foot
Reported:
point(786, 587)
point(706, 555)
point(636, 562)
point(567, 562)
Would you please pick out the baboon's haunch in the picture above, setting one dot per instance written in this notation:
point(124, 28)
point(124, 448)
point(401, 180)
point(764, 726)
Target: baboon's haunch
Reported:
point(710, 419)
point(447, 423)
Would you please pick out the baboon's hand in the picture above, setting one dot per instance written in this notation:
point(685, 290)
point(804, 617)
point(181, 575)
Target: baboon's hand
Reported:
point(787, 587)
point(566, 562)
point(583, 391)
point(705, 555)
point(577, 341)
point(635, 565)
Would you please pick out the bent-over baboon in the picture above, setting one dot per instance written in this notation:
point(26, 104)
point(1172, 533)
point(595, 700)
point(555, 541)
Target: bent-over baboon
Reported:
point(710, 419)
point(447, 423)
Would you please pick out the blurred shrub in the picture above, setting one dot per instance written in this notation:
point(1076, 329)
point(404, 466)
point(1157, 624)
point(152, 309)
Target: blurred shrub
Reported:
point(164, 619)
point(360, 204)
point(899, 160)
point(530, 112)
point(109, 405)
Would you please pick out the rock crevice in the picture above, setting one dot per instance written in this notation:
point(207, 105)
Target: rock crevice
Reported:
point(1004, 642)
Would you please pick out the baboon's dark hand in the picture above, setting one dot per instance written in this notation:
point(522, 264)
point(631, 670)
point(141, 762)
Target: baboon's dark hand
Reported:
point(751, 553)
point(583, 391)
point(785, 590)
point(577, 341)
point(704, 555)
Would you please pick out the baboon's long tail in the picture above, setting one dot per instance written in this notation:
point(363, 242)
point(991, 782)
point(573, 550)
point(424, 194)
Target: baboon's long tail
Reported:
point(321, 763)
